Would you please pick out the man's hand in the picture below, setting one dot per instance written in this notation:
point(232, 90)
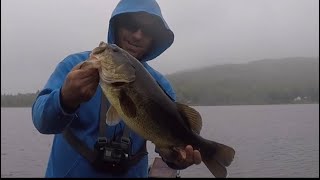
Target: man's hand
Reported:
point(182, 158)
point(80, 85)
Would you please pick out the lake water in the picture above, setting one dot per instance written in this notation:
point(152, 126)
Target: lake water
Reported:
point(270, 141)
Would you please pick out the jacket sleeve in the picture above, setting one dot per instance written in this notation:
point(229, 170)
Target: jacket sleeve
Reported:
point(47, 114)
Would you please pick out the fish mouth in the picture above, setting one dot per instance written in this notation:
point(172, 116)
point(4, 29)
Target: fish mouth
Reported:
point(119, 84)
point(115, 82)
point(120, 75)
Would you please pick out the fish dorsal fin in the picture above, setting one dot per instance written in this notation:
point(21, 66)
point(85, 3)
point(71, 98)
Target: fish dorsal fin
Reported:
point(192, 117)
point(112, 117)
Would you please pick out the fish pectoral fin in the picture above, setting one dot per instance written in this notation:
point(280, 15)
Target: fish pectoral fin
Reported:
point(112, 117)
point(191, 116)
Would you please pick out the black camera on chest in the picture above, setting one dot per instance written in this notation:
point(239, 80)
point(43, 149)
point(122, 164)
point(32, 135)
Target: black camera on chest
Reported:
point(113, 152)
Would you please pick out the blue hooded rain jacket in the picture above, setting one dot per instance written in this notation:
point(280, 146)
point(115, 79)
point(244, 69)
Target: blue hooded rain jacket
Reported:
point(49, 117)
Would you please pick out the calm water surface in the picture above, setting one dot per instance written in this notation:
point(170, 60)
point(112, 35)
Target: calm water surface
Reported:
point(270, 141)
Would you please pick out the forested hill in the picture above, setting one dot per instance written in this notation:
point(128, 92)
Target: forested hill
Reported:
point(18, 100)
point(279, 81)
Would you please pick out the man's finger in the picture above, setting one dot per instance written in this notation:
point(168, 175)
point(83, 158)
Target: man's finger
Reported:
point(197, 157)
point(85, 73)
point(189, 154)
point(183, 154)
point(78, 66)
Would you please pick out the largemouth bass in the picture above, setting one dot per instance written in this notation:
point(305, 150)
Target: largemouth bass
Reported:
point(138, 100)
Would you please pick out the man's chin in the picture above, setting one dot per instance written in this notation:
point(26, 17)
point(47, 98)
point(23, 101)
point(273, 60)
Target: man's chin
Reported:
point(134, 54)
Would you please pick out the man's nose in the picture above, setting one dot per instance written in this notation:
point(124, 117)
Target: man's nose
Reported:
point(138, 34)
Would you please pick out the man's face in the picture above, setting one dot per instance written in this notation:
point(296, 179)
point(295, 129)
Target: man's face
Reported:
point(135, 34)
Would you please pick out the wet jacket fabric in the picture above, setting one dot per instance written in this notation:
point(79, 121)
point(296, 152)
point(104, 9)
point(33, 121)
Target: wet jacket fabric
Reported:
point(49, 117)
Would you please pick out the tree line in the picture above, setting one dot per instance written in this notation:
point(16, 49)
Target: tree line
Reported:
point(281, 81)
point(18, 100)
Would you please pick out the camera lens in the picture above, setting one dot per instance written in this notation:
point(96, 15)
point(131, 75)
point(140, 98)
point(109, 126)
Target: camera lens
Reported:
point(116, 154)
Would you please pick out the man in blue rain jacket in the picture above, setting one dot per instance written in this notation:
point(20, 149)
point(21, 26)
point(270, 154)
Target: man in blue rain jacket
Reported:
point(71, 97)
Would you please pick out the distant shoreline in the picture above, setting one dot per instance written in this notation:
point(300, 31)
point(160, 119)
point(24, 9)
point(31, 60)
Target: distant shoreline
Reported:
point(263, 82)
point(201, 105)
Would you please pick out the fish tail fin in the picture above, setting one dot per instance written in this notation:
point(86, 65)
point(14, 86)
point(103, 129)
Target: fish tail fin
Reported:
point(216, 157)
point(215, 167)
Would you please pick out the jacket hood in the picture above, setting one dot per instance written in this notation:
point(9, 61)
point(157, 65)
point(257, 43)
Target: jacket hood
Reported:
point(166, 36)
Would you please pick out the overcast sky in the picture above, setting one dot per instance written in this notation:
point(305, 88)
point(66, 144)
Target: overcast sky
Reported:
point(37, 34)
